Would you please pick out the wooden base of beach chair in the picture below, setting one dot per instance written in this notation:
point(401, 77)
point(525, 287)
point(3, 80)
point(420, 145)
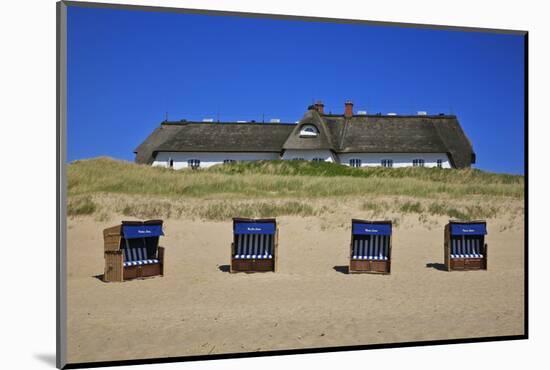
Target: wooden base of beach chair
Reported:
point(464, 264)
point(116, 271)
point(252, 265)
point(369, 266)
point(136, 272)
point(133, 272)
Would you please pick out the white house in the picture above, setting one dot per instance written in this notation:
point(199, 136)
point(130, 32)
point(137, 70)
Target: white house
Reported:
point(357, 140)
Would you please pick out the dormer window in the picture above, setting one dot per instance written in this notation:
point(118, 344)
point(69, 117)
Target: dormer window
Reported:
point(309, 131)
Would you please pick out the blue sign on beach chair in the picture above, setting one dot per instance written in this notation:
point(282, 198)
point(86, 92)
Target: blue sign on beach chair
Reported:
point(141, 231)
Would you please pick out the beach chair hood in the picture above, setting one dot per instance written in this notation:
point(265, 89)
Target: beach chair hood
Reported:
point(137, 229)
point(361, 227)
point(468, 228)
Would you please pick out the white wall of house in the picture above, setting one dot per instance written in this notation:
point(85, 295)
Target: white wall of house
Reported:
point(208, 159)
point(308, 155)
point(399, 159)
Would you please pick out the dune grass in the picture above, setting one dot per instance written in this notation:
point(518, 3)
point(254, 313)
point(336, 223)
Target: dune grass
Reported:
point(277, 188)
point(326, 169)
point(214, 210)
point(81, 206)
point(266, 179)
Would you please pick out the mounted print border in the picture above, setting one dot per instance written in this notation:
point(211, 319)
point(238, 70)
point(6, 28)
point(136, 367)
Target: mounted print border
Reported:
point(121, 256)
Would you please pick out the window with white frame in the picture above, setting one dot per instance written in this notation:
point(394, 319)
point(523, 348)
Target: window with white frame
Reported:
point(194, 163)
point(440, 163)
point(308, 131)
point(355, 162)
point(318, 159)
point(418, 163)
point(228, 161)
point(297, 159)
point(387, 163)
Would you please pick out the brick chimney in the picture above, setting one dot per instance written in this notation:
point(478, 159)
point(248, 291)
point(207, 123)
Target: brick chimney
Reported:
point(348, 112)
point(320, 107)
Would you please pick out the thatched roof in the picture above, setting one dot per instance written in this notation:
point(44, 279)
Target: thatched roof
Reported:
point(356, 134)
point(213, 137)
point(146, 151)
point(401, 134)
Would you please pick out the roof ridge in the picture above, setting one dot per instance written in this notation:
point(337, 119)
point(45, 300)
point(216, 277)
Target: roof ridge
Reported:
point(324, 127)
point(343, 134)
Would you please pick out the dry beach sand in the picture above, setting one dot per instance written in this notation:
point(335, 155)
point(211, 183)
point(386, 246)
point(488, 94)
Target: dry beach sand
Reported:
point(199, 308)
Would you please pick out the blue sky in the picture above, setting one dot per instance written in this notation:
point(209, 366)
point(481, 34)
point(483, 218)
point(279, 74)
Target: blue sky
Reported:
point(127, 68)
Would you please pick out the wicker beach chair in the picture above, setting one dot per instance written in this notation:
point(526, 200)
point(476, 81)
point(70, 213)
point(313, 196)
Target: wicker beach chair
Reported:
point(132, 250)
point(370, 248)
point(465, 247)
point(254, 246)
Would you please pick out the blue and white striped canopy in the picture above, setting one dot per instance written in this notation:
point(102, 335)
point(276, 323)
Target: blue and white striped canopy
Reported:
point(141, 231)
point(254, 228)
point(370, 229)
point(468, 229)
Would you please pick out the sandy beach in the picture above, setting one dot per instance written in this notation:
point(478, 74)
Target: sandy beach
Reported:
point(199, 308)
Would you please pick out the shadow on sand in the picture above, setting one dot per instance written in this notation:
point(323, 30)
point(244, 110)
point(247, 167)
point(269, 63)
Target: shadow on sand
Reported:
point(341, 269)
point(99, 277)
point(437, 266)
point(224, 268)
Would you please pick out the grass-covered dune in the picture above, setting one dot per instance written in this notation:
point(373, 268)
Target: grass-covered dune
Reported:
point(286, 179)
point(284, 187)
